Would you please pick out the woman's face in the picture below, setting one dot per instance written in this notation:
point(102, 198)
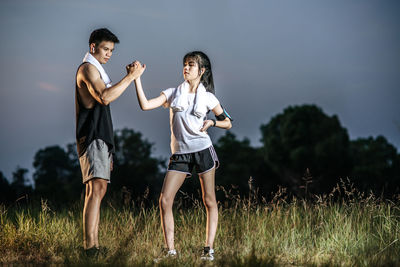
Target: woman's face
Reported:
point(191, 70)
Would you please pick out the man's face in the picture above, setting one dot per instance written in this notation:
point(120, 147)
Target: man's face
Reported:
point(103, 51)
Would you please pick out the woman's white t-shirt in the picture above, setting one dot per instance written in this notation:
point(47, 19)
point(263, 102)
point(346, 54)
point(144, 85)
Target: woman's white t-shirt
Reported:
point(185, 126)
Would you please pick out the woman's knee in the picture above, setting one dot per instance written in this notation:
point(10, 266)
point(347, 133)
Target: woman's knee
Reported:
point(210, 201)
point(166, 202)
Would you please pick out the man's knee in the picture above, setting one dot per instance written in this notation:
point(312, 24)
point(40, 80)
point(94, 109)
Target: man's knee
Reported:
point(99, 187)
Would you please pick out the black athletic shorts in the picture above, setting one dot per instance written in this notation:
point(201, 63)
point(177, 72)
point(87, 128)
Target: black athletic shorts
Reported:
point(203, 161)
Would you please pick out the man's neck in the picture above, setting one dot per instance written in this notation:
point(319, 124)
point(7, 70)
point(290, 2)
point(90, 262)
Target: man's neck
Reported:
point(96, 57)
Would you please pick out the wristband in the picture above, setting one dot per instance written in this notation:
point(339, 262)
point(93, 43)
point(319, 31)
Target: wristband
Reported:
point(214, 122)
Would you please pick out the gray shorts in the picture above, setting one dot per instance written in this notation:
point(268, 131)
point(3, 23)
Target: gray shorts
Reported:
point(96, 161)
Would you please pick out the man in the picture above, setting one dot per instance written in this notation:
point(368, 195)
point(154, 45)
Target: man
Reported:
point(94, 129)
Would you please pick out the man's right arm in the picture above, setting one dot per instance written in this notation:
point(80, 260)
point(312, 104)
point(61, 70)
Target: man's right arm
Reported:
point(98, 89)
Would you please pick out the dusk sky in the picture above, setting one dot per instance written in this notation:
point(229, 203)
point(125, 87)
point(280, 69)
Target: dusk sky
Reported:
point(342, 55)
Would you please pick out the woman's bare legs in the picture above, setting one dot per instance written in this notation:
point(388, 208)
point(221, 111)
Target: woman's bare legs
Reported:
point(207, 181)
point(172, 182)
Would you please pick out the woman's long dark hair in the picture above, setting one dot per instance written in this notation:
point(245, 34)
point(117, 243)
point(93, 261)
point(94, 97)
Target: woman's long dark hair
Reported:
point(203, 62)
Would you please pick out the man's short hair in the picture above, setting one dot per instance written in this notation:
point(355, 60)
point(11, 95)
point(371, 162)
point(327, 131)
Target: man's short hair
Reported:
point(103, 34)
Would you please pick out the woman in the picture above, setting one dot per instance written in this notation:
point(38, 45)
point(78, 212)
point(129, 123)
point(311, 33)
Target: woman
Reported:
point(191, 146)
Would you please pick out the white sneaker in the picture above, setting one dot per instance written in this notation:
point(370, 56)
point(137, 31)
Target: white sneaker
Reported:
point(208, 254)
point(170, 254)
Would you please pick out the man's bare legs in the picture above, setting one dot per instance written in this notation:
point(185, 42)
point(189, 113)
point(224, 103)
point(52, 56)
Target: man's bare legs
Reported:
point(95, 191)
point(172, 182)
point(96, 230)
point(207, 181)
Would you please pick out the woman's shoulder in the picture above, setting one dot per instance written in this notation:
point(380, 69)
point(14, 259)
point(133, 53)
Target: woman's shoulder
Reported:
point(211, 95)
point(212, 101)
point(169, 91)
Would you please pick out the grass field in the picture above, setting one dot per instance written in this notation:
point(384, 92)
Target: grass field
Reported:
point(344, 228)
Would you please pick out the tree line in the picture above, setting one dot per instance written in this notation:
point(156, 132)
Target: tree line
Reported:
point(303, 150)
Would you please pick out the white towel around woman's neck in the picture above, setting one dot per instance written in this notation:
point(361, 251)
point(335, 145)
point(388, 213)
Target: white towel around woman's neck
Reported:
point(92, 60)
point(181, 102)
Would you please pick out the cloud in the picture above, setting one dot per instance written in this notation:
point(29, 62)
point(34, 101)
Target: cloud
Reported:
point(48, 87)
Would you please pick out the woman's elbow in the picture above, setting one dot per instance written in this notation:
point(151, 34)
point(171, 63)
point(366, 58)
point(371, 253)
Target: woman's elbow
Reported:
point(144, 107)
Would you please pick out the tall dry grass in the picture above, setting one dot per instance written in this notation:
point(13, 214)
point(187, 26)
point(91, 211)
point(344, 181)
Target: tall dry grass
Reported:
point(343, 228)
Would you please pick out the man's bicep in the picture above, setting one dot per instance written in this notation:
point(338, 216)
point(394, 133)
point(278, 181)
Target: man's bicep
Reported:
point(94, 83)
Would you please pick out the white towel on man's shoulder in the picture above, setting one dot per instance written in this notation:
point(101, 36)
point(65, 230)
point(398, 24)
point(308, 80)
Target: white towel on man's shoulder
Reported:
point(92, 60)
point(181, 102)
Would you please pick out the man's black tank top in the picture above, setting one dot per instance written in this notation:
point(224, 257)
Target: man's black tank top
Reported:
point(91, 124)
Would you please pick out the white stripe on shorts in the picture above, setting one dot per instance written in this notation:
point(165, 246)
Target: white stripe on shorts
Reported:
point(214, 156)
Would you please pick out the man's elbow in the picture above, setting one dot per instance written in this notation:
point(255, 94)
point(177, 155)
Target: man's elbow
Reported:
point(104, 101)
point(104, 97)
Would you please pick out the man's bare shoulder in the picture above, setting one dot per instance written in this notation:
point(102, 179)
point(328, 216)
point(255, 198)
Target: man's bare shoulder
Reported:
point(83, 80)
point(88, 71)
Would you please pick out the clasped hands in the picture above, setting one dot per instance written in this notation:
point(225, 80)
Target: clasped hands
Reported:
point(135, 69)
